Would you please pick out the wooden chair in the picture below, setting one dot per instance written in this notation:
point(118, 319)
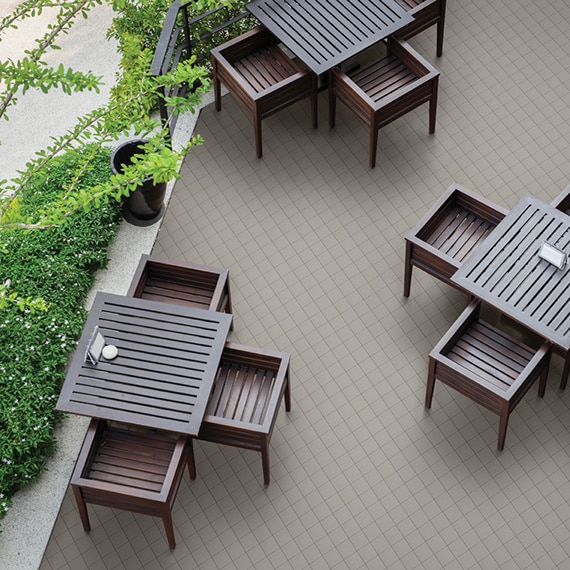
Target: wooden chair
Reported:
point(426, 13)
point(183, 283)
point(441, 241)
point(245, 399)
point(562, 201)
point(487, 365)
point(261, 78)
point(132, 471)
point(385, 90)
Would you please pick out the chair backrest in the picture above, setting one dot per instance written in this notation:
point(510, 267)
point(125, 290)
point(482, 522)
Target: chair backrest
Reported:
point(244, 45)
point(426, 13)
point(562, 201)
point(176, 282)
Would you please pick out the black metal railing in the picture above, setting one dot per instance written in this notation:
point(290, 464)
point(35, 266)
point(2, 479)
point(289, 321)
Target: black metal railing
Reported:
point(182, 36)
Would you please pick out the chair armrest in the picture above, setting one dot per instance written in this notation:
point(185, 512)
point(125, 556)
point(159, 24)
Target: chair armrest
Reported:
point(251, 355)
point(475, 203)
point(290, 83)
point(562, 201)
point(469, 314)
point(411, 58)
point(535, 365)
point(243, 45)
point(435, 5)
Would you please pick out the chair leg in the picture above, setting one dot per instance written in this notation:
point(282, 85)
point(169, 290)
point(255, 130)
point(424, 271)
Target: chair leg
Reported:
point(315, 103)
point(265, 461)
point(503, 422)
point(257, 132)
point(440, 28)
point(433, 105)
point(565, 372)
point(542, 382)
point(287, 394)
point(408, 270)
point(430, 383)
point(217, 89)
point(191, 460)
point(228, 308)
point(82, 508)
point(373, 144)
point(168, 526)
point(332, 102)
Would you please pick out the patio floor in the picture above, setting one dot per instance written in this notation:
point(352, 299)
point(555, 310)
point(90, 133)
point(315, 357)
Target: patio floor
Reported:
point(362, 475)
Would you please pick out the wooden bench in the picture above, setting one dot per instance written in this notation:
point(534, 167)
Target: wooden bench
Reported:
point(261, 78)
point(426, 13)
point(441, 241)
point(245, 399)
point(204, 287)
point(487, 365)
point(131, 470)
point(385, 90)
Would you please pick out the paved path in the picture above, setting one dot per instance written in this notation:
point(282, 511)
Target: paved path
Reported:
point(37, 116)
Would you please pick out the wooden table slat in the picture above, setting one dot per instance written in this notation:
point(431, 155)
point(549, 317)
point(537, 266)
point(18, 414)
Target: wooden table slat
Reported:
point(163, 374)
point(130, 346)
point(324, 33)
point(146, 401)
point(146, 416)
point(156, 387)
point(506, 271)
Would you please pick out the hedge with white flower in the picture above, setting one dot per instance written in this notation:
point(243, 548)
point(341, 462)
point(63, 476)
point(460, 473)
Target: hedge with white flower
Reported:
point(56, 265)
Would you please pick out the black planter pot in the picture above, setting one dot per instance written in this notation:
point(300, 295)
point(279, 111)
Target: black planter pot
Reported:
point(145, 205)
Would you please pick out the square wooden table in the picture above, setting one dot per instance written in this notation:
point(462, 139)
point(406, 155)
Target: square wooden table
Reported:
point(506, 271)
point(168, 357)
point(324, 33)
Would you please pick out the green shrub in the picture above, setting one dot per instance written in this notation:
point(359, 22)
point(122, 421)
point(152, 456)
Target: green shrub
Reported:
point(206, 25)
point(137, 28)
point(58, 265)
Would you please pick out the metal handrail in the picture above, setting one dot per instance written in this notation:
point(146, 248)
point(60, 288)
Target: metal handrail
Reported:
point(176, 44)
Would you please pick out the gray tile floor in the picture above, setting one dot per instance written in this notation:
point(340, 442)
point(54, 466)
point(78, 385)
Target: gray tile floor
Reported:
point(363, 476)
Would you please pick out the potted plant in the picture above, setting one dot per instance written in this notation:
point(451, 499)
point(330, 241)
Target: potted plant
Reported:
point(144, 206)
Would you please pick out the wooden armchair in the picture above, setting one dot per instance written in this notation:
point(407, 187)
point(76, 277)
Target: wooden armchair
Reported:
point(183, 283)
point(245, 399)
point(261, 78)
point(443, 239)
point(487, 365)
point(385, 90)
point(132, 471)
point(426, 13)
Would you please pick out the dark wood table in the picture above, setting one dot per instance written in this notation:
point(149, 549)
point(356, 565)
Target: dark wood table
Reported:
point(324, 33)
point(168, 356)
point(507, 272)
